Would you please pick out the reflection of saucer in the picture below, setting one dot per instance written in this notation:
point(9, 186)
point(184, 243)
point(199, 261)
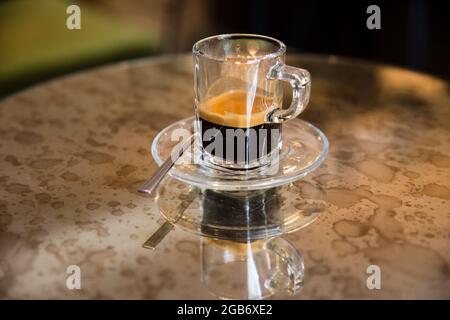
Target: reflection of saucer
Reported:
point(238, 216)
point(304, 149)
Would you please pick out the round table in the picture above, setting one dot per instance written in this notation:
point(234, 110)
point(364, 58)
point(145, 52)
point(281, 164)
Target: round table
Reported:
point(75, 149)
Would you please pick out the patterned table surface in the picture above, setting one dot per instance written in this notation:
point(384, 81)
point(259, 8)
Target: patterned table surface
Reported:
point(74, 150)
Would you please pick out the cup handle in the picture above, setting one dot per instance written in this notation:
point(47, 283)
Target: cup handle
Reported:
point(300, 80)
point(288, 278)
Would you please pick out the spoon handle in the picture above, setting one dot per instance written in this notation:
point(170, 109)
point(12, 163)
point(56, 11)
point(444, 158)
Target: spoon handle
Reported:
point(167, 226)
point(158, 235)
point(156, 178)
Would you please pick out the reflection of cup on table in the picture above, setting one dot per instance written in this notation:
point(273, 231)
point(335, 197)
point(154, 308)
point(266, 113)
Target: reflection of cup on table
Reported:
point(238, 101)
point(251, 270)
point(249, 263)
point(241, 216)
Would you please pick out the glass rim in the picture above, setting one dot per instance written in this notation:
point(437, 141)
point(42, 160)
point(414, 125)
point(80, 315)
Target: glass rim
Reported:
point(279, 52)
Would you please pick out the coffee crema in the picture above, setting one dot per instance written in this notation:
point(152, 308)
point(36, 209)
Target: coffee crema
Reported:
point(235, 109)
point(236, 123)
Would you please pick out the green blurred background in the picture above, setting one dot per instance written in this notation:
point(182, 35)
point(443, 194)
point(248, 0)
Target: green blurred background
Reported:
point(36, 45)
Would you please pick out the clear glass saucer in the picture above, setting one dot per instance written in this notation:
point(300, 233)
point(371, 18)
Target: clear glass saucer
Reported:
point(304, 149)
point(240, 216)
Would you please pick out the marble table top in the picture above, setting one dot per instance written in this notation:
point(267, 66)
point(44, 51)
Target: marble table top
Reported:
point(74, 150)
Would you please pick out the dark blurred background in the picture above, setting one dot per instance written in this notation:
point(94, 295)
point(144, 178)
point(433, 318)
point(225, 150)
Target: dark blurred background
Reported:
point(35, 44)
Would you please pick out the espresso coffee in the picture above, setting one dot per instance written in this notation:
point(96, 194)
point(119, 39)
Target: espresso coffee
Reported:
point(234, 128)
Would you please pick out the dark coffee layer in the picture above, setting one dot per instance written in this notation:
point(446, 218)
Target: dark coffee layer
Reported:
point(239, 145)
point(240, 218)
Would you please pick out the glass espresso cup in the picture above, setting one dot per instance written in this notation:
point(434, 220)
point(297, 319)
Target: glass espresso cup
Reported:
point(238, 99)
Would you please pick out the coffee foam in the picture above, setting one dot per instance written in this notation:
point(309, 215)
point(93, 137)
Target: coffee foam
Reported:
point(230, 109)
